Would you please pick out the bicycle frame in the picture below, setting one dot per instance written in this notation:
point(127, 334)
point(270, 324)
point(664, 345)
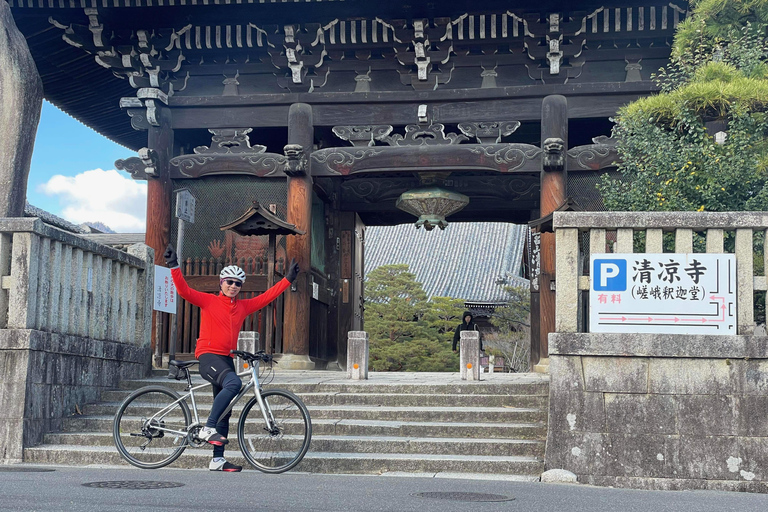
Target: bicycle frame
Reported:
point(253, 371)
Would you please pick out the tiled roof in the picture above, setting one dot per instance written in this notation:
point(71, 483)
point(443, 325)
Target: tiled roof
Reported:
point(465, 261)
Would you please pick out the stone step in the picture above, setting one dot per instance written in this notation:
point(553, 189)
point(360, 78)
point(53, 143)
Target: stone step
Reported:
point(386, 399)
point(461, 414)
point(358, 444)
point(315, 462)
point(523, 387)
point(321, 426)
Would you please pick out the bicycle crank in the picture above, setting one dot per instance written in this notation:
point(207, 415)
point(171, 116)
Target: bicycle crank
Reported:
point(192, 436)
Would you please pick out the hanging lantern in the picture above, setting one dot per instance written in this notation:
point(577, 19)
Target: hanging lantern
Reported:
point(431, 205)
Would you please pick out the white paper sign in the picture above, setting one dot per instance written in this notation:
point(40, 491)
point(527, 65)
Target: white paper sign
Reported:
point(663, 293)
point(164, 291)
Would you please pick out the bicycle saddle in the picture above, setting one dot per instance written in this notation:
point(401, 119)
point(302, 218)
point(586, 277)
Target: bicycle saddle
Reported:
point(183, 364)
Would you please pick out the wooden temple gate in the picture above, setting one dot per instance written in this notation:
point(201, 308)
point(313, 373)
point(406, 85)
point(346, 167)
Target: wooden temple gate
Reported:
point(332, 110)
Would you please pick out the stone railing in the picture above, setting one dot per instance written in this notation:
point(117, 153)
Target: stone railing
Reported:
point(75, 319)
point(570, 279)
point(655, 410)
point(56, 282)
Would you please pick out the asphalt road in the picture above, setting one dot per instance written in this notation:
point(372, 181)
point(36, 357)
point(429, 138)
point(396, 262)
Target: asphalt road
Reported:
point(64, 489)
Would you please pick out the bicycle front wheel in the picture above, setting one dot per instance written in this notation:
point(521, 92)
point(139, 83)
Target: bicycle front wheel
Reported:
point(150, 427)
point(280, 447)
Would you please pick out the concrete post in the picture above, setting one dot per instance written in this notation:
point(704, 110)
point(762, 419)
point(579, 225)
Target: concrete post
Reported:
point(469, 355)
point(357, 355)
point(247, 341)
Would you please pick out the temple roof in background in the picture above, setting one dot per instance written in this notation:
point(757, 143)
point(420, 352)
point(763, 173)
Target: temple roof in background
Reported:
point(469, 261)
point(271, 53)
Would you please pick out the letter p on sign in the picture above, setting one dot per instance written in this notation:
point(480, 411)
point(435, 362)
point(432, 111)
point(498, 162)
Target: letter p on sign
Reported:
point(609, 275)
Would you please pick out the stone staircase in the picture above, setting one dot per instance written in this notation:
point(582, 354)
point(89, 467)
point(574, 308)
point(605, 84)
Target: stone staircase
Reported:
point(432, 424)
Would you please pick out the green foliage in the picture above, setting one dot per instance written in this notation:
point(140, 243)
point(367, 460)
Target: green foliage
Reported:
point(406, 332)
point(443, 316)
point(717, 73)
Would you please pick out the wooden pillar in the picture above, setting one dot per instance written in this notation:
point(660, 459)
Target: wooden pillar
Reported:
point(159, 191)
point(296, 309)
point(554, 127)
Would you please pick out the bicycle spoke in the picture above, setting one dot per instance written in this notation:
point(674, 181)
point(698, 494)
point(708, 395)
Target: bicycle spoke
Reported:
point(149, 432)
point(281, 446)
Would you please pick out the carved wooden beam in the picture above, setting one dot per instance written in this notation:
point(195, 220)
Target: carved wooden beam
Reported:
point(230, 152)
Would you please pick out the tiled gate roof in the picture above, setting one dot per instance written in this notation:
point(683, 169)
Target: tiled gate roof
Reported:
point(466, 261)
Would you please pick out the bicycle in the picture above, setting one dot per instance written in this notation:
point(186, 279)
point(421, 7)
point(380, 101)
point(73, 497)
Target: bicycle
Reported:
point(153, 426)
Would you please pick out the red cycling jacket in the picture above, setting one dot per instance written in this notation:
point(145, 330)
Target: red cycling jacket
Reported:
point(221, 318)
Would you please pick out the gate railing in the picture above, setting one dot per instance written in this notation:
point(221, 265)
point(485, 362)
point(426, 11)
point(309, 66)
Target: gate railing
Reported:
point(616, 232)
point(57, 282)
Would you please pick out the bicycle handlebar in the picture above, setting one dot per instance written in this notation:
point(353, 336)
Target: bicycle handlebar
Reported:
point(258, 356)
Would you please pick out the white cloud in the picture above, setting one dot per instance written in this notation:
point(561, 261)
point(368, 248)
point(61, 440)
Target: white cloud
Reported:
point(98, 195)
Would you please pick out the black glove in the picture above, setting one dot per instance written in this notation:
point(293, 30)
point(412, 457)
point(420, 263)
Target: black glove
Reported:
point(170, 257)
point(293, 271)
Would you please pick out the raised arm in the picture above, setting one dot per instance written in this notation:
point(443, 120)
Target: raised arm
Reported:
point(193, 296)
point(268, 296)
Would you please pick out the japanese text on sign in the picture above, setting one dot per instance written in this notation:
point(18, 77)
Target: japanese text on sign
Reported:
point(663, 293)
point(185, 205)
point(164, 295)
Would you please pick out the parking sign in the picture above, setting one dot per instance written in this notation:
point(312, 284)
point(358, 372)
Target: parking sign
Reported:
point(663, 293)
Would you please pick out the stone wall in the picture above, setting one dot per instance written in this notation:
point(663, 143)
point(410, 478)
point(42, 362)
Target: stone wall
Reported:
point(660, 411)
point(48, 376)
point(75, 319)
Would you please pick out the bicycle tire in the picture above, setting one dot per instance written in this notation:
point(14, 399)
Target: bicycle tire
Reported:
point(136, 441)
point(279, 451)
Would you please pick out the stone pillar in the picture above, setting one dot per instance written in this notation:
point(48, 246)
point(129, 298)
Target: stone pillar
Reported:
point(357, 355)
point(296, 310)
point(469, 355)
point(554, 137)
point(247, 341)
point(21, 97)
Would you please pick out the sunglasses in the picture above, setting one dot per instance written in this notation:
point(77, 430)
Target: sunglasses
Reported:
point(232, 282)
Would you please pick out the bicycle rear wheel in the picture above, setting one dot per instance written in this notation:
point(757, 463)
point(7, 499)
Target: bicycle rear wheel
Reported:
point(283, 447)
point(140, 424)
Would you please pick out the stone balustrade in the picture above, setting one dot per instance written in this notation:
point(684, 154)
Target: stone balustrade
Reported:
point(54, 281)
point(658, 411)
point(75, 319)
point(571, 280)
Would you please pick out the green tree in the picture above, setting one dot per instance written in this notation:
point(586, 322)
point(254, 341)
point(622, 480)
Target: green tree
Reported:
point(396, 313)
point(717, 72)
point(443, 315)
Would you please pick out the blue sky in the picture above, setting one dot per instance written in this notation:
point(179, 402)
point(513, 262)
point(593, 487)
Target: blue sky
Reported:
point(73, 175)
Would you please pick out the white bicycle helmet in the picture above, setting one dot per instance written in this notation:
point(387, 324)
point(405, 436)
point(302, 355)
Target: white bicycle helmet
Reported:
point(232, 272)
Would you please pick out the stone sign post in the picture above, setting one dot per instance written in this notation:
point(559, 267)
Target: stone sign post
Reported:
point(21, 96)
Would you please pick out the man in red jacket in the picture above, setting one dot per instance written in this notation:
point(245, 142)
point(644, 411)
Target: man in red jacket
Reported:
point(221, 318)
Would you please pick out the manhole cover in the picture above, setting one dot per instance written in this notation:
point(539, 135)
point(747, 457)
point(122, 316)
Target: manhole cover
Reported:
point(463, 496)
point(24, 469)
point(133, 484)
